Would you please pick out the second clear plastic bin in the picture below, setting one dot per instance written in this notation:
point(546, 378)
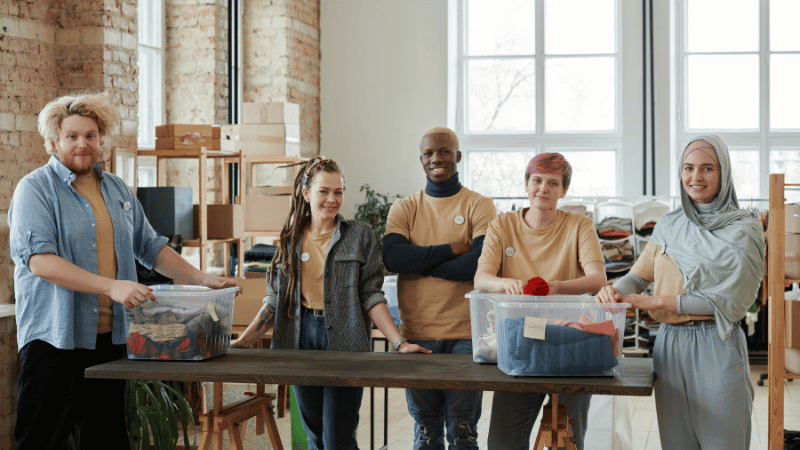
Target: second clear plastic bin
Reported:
point(558, 338)
point(483, 320)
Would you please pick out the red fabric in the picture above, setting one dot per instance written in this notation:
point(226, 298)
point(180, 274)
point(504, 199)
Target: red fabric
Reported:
point(536, 286)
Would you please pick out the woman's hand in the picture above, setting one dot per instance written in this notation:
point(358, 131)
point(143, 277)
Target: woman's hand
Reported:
point(239, 343)
point(513, 287)
point(643, 301)
point(608, 294)
point(130, 293)
point(405, 347)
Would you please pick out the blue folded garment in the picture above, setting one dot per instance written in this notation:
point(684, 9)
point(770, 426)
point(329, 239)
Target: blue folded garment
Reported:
point(565, 351)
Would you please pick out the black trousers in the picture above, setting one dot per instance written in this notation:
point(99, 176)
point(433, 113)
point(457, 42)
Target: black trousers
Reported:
point(54, 398)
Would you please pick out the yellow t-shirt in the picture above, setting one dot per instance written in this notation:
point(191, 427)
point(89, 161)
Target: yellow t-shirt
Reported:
point(656, 266)
point(89, 188)
point(433, 308)
point(312, 270)
point(558, 252)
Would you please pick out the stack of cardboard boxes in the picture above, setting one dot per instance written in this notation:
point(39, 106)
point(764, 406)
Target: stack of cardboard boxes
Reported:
point(270, 130)
point(187, 137)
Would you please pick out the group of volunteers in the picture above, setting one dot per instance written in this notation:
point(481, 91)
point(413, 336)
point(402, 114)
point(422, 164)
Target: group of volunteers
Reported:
point(77, 231)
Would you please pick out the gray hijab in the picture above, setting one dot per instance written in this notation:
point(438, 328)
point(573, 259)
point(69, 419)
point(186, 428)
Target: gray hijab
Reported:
point(718, 247)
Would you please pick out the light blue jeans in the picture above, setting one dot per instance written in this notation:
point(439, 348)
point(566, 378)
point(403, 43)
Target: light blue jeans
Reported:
point(435, 410)
point(329, 414)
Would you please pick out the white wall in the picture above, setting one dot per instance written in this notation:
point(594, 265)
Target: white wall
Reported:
point(383, 82)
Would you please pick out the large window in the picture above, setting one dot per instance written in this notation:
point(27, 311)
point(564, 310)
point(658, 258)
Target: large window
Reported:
point(541, 76)
point(738, 65)
point(151, 70)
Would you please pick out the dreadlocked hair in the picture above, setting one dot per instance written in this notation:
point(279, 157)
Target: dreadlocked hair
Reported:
point(292, 231)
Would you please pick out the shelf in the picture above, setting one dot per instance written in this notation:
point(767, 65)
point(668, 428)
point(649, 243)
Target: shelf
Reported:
point(202, 155)
point(196, 242)
point(187, 153)
point(251, 233)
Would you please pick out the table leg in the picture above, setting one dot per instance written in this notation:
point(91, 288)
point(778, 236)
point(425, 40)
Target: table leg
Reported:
point(555, 432)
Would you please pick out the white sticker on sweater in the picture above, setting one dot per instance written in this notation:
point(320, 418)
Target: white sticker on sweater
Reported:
point(510, 251)
point(459, 219)
point(305, 257)
point(534, 327)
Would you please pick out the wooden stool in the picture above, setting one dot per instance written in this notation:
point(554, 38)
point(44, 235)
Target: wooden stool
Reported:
point(232, 418)
point(556, 432)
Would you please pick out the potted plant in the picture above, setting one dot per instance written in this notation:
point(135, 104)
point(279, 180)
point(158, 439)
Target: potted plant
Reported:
point(374, 211)
point(154, 408)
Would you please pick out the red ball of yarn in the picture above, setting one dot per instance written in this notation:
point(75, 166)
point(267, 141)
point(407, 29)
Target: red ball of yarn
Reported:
point(536, 286)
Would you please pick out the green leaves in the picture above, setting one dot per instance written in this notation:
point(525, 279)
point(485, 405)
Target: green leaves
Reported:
point(154, 408)
point(374, 211)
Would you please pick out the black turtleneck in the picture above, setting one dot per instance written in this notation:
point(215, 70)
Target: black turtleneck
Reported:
point(447, 188)
point(435, 260)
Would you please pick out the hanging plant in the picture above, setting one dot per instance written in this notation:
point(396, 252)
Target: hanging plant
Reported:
point(154, 408)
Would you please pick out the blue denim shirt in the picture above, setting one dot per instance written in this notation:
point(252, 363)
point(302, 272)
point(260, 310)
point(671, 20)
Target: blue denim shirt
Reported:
point(47, 215)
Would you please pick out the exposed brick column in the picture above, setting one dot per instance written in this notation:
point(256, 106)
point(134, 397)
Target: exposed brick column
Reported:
point(48, 49)
point(197, 84)
point(282, 59)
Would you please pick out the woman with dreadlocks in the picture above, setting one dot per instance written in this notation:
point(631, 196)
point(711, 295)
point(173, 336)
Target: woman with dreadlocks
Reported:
point(325, 293)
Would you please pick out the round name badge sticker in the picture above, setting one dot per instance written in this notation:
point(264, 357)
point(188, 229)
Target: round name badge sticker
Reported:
point(510, 251)
point(126, 206)
point(459, 219)
point(305, 257)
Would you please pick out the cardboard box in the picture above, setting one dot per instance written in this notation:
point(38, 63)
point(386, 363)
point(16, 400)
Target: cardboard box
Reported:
point(272, 112)
point(168, 209)
point(266, 212)
point(792, 218)
point(247, 304)
point(792, 317)
point(256, 148)
point(187, 142)
point(271, 190)
point(792, 360)
point(224, 221)
point(792, 256)
point(254, 274)
point(261, 132)
point(178, 130)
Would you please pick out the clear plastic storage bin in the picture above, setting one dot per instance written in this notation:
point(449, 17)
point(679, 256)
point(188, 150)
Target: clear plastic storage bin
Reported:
point(390, 291)
point(482, 318)
point(573, 339)
point(183, 323)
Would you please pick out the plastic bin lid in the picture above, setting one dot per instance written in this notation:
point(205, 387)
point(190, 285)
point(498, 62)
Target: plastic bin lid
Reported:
point(584, 298)
point(610, 307)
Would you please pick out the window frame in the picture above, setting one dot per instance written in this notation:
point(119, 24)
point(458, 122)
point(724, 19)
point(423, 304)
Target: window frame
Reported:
point(764, 139)
point(146, 140)
point(625, 140)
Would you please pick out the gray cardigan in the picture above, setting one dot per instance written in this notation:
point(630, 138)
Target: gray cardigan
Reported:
point(352, 286)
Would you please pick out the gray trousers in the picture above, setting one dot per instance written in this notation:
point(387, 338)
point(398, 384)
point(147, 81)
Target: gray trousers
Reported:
point(514, 413)
point(704, 396)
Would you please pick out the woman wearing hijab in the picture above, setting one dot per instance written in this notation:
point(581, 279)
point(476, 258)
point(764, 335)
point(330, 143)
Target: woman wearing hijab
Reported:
point(706, 260)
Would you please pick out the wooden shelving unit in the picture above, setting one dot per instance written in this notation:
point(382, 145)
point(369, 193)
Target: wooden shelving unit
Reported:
point(777, 374)
point(248, 162)
point(202, 155)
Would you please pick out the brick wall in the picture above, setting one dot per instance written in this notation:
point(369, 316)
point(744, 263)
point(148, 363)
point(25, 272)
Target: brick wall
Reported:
point(197, 86)
point(281, 60)
point(48, 49)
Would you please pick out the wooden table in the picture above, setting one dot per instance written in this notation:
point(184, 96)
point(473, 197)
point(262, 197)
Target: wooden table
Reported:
point(375, 369)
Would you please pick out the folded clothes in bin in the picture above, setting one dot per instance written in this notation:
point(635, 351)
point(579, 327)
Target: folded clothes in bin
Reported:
point(564, 351)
